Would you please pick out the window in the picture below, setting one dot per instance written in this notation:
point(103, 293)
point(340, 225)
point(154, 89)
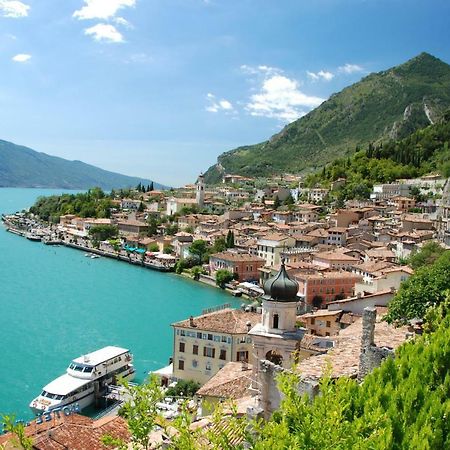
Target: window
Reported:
point(199, 335)
point(328, 324)
point(210, 337)
point(275, 320)
point(194, 363)
point(209, 352)
point(195, 349)
point(224, 339)
point(183, 332)
point(208, 366)
point(180, 364)
point(223, 354)
point(313, 321)
point(182, 347)
point(242, 356)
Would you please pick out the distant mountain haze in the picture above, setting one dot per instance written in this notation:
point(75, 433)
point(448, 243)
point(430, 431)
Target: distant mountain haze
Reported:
point(386, 105)
point(23, 167)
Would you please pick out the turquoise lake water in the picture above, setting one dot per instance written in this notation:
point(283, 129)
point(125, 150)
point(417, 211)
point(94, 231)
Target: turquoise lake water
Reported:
point(56, 305)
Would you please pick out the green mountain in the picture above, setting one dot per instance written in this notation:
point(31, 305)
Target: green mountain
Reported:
point(382, 106)
point(23, 167)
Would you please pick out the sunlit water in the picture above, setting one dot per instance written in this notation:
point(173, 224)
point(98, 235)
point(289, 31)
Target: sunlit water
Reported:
point(56, 304)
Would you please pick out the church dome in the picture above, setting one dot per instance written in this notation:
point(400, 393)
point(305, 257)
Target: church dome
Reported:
point(281, 288)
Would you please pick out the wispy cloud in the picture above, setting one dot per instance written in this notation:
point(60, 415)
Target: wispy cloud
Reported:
point(102, 9)
point(278, 96)
point(321, 75)
point(215, 105)
point(104, 32)
point(350, 68)
point(13, 8)
point(21, 58)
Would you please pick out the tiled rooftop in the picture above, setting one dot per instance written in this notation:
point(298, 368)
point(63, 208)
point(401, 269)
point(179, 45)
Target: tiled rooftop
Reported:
point(232, 321)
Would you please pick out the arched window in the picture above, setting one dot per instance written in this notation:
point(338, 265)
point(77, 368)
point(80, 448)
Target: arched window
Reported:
point(276, 319)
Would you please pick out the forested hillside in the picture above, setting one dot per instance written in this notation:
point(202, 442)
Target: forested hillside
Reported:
point(382, 106)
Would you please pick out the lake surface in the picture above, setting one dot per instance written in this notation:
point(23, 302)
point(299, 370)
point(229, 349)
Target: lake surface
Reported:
point(56, 304)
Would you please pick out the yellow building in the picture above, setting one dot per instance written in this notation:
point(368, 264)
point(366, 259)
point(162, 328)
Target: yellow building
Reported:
point(205, 344)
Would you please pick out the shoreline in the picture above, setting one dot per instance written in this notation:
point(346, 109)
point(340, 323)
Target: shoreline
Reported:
point(102, 253)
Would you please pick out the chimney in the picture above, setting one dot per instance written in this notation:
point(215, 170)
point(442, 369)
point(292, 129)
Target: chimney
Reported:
point(249, 326)
point(191, 322)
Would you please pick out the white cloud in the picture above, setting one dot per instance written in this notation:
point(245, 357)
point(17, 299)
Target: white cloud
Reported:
point(350, 68)
point(102, 9)
point(260, 70)
point(21, 58)
point(104, 32)
point(216, 105)
point(13, 9)
point(279, 97)
point(123, 22)
point(321, 75)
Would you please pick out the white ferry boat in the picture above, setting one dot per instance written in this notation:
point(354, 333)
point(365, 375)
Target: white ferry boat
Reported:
point(85, 378)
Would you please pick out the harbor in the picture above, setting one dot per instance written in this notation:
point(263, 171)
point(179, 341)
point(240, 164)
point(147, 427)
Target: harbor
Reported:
point(77, 304)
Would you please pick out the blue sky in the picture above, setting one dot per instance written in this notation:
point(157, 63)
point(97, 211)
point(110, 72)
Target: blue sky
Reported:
point(159, 88)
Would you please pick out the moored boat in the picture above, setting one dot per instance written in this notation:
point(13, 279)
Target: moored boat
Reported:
point(85, 379)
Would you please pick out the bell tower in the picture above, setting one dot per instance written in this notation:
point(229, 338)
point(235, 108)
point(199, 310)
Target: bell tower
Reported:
point(200, 191)
point(277, 336)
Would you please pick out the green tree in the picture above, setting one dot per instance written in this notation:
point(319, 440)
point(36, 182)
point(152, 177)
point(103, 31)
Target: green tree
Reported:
point(183, 388)
point(426, 256)
point(153, 247)
point(140, 412)
point(103, 232)
point(220, 245)
point(199, 250)
point(230, 239)
point(223, 276)
point(424, 289)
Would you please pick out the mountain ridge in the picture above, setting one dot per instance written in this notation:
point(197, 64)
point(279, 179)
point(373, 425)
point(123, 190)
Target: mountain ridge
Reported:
point(21, 166)
point(386, 105)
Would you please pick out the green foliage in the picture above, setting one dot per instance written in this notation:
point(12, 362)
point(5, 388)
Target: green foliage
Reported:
point(426, 256)
point(199, 250)
point(152, 226)
point(153, 248)
point(424, 289)
point(368, 111)
point(223, 276)
point(9, 425)
point(220, 245)
point(168, 249)
point(93, 203)
point(140, 412)
point(196, 271)
point(183, 388)
point(172, 229)
point(230, 239)
point(103, 232)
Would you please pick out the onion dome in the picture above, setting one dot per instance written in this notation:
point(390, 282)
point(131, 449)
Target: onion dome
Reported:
point(280, 288)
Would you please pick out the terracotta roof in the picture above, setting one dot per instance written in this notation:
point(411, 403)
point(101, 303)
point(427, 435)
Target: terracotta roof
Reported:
point(335, 256)
point(232, 321)
point(274, 237)
point(74, 432)
point(232, 381)
point(344, 357)
point(234, 256)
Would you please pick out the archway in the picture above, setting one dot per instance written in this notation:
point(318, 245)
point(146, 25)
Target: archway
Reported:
point(274, 357)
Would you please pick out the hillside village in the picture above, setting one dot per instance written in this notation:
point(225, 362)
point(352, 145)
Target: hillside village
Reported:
point(318, 279)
